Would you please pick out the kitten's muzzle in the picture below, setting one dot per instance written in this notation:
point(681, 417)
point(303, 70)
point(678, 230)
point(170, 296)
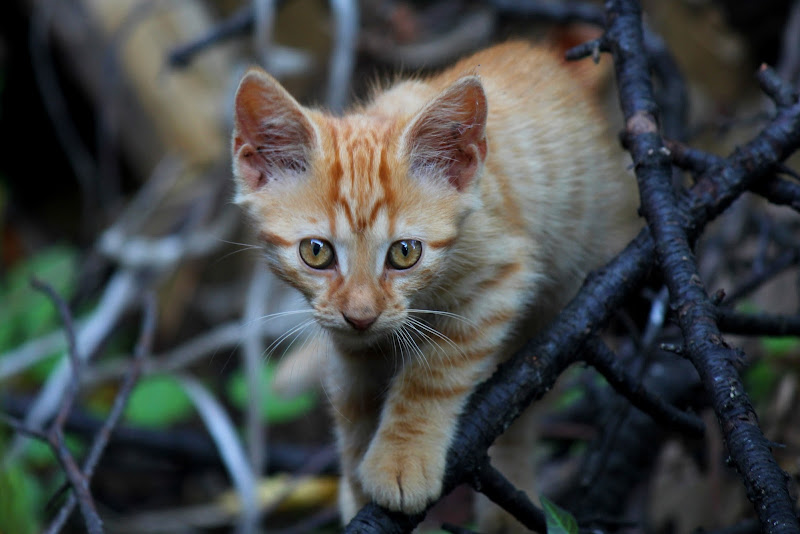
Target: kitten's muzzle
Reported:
point(360, 323)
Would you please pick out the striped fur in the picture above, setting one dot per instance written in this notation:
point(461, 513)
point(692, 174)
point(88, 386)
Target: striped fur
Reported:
point(512, 208)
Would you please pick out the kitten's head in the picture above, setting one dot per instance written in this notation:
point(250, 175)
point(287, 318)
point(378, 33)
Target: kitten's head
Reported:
point(359, 212)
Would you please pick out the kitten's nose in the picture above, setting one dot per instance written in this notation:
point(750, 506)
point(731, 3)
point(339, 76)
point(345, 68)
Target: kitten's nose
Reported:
point(360, 323)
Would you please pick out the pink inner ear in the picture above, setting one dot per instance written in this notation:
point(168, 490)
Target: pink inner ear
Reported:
point(272, 135)
point(449, 135)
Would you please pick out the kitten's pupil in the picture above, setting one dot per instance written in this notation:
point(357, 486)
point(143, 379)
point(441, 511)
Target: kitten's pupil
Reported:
point(404, 247)
point(316, 246)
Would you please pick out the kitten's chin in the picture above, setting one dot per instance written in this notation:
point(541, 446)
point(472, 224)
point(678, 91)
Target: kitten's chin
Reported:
point(350, 339)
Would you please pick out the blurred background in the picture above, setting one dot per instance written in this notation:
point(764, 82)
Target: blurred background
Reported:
point(115, 118)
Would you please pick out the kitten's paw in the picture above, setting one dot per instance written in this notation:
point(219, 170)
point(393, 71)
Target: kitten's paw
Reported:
point(401, 481)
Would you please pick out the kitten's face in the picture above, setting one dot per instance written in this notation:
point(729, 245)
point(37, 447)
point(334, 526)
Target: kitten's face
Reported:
point(358, 213)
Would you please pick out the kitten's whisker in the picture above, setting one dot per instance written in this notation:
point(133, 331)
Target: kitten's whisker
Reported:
point(271, 316)
point(418, 327)
point(243, 249)
point(272, 346)
point(416, 348)
point(296, 337)
point(421, 325)
point(451, 315)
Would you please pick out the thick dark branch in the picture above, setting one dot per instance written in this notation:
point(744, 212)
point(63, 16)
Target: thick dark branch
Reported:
point(598, 355)
point(775, 189)
point(780, 191)
point(711, 356)
point(758, 324)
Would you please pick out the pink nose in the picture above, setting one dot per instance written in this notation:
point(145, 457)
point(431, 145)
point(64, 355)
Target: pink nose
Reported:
point(359, 323)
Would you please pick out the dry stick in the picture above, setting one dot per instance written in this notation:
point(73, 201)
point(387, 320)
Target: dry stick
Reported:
point(55, 434)
point(711, 356)
point(534, 369)
point(143, 347)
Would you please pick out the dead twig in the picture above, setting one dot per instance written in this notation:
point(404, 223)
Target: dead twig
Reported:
point(143, 348)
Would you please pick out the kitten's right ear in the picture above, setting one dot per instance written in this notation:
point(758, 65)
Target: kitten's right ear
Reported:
point(272, 135)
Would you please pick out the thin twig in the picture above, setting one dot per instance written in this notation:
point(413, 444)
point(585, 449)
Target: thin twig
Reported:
point(121, 292)
point(55, 433)
point(143, 348)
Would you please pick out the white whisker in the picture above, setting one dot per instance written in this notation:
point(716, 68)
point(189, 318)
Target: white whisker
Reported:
point(451, 315)
point(272, 316)
point(296, 330)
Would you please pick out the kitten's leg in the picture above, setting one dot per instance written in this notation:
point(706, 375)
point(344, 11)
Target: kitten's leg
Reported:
point(404, 464)
point(355, 401)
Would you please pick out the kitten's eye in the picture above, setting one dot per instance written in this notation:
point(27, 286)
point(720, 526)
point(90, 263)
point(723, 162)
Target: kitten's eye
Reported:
point(317, 253)
point(404, 254)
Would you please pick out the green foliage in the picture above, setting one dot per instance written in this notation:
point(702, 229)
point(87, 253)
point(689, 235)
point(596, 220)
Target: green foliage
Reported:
point(157, 402)
point(273, 408)
point(760, 379)
point(39, 455)
point(20, 502)
point(780, 347)
point(21, 496)
point(559, 521)
point(27, 313)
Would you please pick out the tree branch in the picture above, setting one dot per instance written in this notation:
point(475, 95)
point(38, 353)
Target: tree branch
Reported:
point(711, 356)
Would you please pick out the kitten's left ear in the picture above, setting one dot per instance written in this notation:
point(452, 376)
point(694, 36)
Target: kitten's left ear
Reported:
point(448, 136)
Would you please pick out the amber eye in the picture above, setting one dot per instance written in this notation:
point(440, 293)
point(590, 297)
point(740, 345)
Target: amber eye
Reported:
point(317, 253)
point(404, 254)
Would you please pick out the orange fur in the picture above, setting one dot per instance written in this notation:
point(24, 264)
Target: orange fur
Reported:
point(502, 169)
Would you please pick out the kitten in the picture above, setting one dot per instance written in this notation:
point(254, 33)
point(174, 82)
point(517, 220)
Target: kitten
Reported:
point(432, 230)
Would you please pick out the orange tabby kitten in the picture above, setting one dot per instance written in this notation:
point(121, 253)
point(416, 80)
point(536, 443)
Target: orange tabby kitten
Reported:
point(431, 230)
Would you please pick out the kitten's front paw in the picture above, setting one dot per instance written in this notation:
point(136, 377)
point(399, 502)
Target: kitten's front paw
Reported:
point(400, 480)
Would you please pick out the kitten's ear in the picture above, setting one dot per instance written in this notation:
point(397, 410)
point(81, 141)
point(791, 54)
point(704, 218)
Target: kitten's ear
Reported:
point(272, 135)
point(448, 136)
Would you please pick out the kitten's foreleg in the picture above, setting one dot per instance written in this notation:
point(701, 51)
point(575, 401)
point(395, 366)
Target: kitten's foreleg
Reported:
point(404, 465)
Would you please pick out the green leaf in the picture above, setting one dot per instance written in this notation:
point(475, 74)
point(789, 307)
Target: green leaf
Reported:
point(158, 401)
point(274, 409)
point(20, 502)
point(559, 521)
